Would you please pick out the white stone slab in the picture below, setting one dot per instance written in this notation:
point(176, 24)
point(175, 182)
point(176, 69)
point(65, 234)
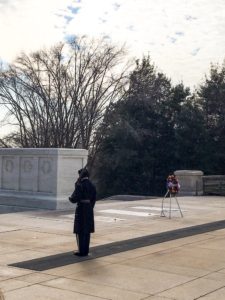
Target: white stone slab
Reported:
point(127, 212)
point(155, 208)
point(147, 208)
point(70, 216)
point(98, 218)
point(108, 219)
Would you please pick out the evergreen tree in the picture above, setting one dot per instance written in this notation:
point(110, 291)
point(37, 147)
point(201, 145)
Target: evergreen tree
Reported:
point(190, 136)
point(212, 100)
point(137, 150)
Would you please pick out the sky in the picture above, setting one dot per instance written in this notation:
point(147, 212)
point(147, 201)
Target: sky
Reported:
point(182, 37)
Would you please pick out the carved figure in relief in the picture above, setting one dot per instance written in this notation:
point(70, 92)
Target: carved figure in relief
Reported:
point(9, 165)
point(27, 166)
point(46, 167)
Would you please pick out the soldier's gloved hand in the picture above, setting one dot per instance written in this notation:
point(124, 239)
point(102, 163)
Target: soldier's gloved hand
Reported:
point(71, 199)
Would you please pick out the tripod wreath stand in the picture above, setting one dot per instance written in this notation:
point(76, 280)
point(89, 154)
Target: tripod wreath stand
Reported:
point(171, 195)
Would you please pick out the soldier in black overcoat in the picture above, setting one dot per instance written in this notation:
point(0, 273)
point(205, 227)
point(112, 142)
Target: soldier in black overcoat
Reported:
point(84, 196)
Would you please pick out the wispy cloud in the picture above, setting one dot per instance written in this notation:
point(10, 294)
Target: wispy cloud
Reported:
point(116, 6)
point(27, 25)
point(181, 36)
point(172, 39)
point(179, 33)
point(131, 27)
point(68, 19)
point(103, 20)
point(74, 9)
point(173, 32)
point(195, 51)
point(190, 18)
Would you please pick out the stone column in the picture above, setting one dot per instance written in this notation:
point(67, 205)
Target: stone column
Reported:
point(190, 181)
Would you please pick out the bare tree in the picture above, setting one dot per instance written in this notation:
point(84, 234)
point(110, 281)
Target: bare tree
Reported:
point(57, 97)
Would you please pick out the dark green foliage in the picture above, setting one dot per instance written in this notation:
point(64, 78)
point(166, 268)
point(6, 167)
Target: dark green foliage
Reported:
point(212, 101)
point(190, 136)
point(138, 149)
point(158, 128)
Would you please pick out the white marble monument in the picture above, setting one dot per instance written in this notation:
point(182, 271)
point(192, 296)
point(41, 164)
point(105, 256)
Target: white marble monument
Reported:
point(191, 182)
point(39, 177)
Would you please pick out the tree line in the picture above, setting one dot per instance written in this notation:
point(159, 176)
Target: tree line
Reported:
point(137, 125)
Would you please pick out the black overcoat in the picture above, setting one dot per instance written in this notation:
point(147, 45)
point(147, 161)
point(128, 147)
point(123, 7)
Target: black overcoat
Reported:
point(84, 213)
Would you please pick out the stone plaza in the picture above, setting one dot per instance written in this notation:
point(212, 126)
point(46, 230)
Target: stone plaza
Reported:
point(135, 253)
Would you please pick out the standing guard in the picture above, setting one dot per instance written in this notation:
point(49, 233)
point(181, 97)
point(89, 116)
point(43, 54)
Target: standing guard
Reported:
point(84, 196)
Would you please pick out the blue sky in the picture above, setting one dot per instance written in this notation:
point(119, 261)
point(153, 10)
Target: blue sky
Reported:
point(182, 37)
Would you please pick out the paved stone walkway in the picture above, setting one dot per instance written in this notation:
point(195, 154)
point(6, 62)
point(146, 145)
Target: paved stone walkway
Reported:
point(188, 265)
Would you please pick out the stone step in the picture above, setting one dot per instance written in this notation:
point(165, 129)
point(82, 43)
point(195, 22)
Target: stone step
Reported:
point(5, 209)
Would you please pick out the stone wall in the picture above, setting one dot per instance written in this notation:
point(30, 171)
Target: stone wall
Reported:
point(39, 178)
point(214, 185)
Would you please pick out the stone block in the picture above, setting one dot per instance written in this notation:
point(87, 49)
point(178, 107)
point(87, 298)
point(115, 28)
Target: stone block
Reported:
point(39, 177)
point(190, 181)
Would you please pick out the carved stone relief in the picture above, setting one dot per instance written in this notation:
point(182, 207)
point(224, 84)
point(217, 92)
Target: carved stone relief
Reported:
point(8, 165)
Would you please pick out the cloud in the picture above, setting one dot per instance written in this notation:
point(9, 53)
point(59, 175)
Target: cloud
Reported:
point(173, 32)
point(172, 39)
point(68, 19)
point(27, 25)
point(179, 33)
point(131, 27)
point(190, 18)
point(182, 37)
point(116, 6)
point(73, 9)
point(195, 51)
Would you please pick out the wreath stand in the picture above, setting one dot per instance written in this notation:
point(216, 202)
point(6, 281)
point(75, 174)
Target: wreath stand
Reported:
point(171, 195)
